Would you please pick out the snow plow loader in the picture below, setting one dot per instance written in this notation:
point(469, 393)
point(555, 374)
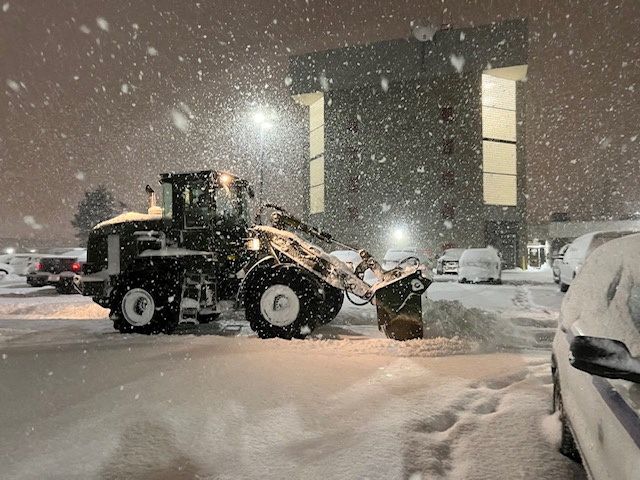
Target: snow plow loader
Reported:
point(198, 256)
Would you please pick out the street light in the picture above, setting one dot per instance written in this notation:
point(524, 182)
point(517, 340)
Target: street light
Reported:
point(264, 124)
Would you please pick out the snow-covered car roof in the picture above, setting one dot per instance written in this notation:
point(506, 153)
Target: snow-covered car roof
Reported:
point(81, 255)
point(474, 254)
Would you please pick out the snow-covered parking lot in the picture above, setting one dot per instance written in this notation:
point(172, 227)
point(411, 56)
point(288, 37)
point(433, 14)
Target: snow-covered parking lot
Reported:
point(81, 401)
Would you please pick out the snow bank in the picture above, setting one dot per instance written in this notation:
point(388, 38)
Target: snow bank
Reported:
point(346, 346)
point(38, 310)
point(446, 318)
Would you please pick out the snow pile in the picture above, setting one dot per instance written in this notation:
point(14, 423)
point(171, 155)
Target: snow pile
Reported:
point(347, 346)
point(450, 319)
point(552, 429)
point(53, 311)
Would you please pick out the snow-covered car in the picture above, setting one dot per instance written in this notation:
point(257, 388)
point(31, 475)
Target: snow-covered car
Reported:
point(579, 250)
point(352, 258)
point(23, 263)
point(396, 256)
point(555, 265)
point(480, 265)
point(448, 262)
point(58, 270)
point(596, 363)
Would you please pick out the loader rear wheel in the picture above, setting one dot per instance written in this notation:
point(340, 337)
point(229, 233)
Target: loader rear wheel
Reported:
point(143, 309)
point(282, 303)
point(329, 309)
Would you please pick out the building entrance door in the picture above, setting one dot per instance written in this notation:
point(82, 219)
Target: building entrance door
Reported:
point(503, 236)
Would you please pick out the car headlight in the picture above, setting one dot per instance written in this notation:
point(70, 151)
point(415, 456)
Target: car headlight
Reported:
point(253, 244)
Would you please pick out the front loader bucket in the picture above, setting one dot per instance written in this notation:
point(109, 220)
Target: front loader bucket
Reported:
point(399, 307)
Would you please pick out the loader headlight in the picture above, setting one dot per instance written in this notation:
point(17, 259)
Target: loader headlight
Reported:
point(253, 244)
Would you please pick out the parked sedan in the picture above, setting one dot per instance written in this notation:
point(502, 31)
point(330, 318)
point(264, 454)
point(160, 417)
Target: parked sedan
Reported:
point(557, 260)
point(58, 271)
point(448, 262)
point(405, 256)
point(596, 363)
point(579, 250)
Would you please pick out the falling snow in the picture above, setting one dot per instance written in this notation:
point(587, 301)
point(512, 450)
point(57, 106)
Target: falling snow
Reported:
point(102, 24)
point(457, 61)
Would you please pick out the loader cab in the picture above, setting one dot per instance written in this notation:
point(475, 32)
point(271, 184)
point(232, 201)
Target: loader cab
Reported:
point(207, 210)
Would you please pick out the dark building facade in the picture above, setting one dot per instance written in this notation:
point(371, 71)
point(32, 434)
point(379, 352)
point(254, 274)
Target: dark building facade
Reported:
point(420, 143)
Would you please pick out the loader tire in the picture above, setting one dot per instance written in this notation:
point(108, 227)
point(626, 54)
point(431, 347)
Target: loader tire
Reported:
point(329, 309)
point(143, 307)
point(282, 303)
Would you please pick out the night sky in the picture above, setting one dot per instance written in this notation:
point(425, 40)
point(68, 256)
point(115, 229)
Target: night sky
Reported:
point(114, 92)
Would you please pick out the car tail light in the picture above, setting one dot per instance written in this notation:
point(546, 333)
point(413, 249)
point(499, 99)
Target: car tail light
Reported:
point(76, 267)
point(39, 266)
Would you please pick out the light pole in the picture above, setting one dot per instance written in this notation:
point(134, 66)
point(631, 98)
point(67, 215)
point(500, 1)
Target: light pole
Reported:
point(264, 125)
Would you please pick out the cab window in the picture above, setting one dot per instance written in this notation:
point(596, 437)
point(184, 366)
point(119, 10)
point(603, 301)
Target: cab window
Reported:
point(167, 200)
point(230, 203)
point(197, 205)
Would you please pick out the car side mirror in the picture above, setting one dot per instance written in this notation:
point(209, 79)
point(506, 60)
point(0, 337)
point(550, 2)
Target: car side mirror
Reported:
point(604, 357)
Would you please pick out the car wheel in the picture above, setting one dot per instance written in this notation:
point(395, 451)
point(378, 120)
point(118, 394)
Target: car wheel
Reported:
point(462, 280)
point(563, 286)
point(567, 443)
point(3, 273)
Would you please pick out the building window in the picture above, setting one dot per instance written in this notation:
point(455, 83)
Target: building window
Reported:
point(316, 155)
point(448, 178)
point(447, 146)
point(499, 148)
point(448, 211)
point(354, 184)
point(352, 123)
point(446, 114)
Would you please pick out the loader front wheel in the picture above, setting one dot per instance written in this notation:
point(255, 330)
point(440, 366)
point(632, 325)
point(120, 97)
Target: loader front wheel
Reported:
point(333, 299)
point(283, 303)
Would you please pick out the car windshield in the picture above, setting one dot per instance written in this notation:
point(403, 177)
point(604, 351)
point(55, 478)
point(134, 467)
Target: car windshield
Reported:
point(319, 239)
point(452, 253)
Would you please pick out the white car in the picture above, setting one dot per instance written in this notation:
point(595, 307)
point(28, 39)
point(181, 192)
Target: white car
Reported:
point(557, 260)
point(448, 262)
point(352, 258)
point(578, 251)
point(408, 256)
point(480, 265)
point(23, 263)
point(596, 363)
